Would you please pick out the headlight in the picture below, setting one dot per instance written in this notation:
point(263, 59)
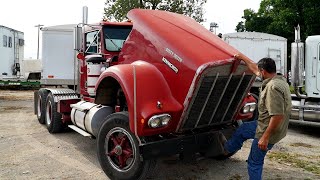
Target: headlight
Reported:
point(159, 120)
point(253, 107)
point(245, 109)
point(249, 107)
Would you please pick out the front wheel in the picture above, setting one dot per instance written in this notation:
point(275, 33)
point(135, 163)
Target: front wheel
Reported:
point(118, 150)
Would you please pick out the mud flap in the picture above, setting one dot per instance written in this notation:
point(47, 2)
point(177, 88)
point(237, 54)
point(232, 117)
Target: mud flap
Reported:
point(35, 102)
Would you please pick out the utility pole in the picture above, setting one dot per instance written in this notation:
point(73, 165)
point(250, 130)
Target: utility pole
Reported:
point(213, 25)
point(39, 27)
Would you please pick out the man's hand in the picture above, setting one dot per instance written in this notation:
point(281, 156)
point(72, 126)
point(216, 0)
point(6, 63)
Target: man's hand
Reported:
point(263, 142)
point(273, 124)
point(251, 64)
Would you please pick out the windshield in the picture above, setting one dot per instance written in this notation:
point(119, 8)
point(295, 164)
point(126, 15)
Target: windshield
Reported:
point(115, 36)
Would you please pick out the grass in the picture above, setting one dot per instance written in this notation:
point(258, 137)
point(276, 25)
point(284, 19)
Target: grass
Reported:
point(300, 144)
point(295, 161)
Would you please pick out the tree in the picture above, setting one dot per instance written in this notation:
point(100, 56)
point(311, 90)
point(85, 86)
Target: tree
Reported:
point(118, 9)
point(279, 17)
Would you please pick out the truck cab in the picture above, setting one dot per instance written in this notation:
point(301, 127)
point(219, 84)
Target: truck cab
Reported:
point(101, 49)
point(312, 66)
point(305, 66)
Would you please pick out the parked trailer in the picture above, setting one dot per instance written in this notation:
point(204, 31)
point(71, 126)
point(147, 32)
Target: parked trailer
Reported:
point(256, 46)
point(14, 71)
point(146, 92)
point(11, 52)
point(57, 49)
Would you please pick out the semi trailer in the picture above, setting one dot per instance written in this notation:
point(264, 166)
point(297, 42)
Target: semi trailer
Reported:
point(159, 84)
point(14, 70)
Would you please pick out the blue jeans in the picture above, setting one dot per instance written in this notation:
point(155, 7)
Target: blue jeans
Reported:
point(256, 157)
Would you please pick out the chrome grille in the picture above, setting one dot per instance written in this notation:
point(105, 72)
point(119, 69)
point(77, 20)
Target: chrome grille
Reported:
point(216, 100)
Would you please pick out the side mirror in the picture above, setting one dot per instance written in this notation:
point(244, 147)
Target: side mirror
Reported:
point(77, 35)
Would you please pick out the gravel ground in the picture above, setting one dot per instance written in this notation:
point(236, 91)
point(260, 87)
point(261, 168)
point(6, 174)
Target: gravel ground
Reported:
point(28, 151)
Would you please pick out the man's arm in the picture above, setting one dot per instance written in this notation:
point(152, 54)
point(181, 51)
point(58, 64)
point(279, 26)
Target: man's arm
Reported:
point(273, 124)
point(251, 65)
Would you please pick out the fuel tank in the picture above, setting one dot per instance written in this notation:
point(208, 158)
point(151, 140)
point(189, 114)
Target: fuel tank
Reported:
point(89, 116)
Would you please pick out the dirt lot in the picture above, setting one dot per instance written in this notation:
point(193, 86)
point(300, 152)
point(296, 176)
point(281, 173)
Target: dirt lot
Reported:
point(28, 151)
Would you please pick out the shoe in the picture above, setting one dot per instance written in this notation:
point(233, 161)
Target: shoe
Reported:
point(223, 140)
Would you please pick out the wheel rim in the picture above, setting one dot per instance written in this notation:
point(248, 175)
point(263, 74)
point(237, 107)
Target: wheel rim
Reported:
point(48, 113)
point(120, 149)
point(39, 106)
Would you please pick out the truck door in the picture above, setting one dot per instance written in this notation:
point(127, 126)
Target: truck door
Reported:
point(275, 54)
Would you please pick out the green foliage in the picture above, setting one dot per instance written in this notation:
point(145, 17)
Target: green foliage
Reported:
point(279, 17)
point(118, 9)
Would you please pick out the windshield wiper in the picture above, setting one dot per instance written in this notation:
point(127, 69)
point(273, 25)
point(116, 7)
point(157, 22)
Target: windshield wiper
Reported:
point(119, 48)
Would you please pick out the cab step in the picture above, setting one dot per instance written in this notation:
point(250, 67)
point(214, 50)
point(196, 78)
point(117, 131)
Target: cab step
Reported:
point(80, 131)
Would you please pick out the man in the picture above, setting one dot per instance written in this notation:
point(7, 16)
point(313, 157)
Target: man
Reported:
point(274, 108)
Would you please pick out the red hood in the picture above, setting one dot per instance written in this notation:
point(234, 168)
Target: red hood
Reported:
point(165, 39)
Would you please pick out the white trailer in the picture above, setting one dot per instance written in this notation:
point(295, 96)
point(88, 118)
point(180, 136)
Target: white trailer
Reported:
point(11, 52)
point(58, 63)
point(257, 45)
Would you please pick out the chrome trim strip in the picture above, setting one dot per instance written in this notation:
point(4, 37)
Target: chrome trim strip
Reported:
point(186, 102)
point(208, 96)
point(222, 94)
point(231, 100)
point(135, 104)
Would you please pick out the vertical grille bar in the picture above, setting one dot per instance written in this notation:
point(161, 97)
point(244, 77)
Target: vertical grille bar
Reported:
point(208, 96)
point(222, 94)
point(231, 100)
point(246, 90)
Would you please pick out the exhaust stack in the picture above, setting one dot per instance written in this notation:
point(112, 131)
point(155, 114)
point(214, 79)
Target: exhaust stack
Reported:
point(297, 63)
point(85, 15)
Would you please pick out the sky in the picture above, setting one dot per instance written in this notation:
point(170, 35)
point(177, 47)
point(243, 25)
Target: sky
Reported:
point(23, 15)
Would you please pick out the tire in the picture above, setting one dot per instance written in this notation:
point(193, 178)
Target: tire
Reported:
point(53, 118)
point(118, 150)
point(41, 105)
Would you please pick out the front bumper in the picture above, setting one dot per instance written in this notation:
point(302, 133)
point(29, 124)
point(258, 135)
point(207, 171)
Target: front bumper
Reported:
point(186, 144)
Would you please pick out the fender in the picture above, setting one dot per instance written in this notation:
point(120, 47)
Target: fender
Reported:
point(144, 87)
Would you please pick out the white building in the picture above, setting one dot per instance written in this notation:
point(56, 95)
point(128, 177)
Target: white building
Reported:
point(11, 52)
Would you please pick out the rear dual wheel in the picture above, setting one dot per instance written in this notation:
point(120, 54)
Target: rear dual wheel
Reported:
point(41, 105)
point(53, 119)
point(118, 150)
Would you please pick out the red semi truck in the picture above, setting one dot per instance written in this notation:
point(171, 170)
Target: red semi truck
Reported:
point(157, 85)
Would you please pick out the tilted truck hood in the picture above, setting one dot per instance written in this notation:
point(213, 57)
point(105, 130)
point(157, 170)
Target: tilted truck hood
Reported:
point(189, 57)
point(176, 44)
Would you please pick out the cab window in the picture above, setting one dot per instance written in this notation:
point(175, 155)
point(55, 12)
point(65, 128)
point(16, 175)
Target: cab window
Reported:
point(91, 42)
point(115, 36)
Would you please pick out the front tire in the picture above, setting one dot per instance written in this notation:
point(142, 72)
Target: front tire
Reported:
point(118, 150)
point(53, 118)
